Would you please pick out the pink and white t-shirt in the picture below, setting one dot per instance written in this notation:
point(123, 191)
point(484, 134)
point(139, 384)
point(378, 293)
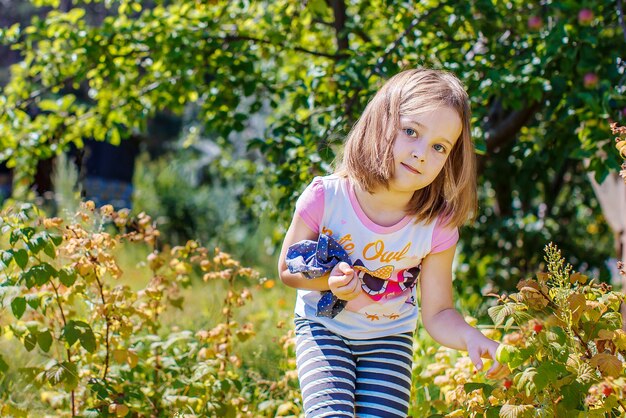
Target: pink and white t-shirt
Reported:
point(387, 260)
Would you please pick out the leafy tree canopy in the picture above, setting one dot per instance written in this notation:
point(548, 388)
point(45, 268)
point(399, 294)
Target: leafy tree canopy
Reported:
point(544, 81)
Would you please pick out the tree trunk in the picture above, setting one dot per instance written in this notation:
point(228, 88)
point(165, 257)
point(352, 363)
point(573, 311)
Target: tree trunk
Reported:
point(611, 194)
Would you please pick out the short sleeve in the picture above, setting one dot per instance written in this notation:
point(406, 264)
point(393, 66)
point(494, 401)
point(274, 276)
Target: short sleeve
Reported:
point(444, 237)
point(310, 204)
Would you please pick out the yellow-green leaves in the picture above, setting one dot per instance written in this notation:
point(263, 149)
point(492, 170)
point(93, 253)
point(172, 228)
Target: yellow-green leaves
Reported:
point(10, 34)
point(79, 331)
point(18, 306)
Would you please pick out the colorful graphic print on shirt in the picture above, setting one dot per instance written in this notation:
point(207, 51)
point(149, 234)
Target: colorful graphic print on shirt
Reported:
point(377, 283)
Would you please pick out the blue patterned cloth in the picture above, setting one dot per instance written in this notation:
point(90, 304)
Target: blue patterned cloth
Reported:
point(314, 259)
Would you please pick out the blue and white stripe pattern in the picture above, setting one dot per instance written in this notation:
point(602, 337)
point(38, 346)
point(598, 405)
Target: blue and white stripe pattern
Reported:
point(347, 377)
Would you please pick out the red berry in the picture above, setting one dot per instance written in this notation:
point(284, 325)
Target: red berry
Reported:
point(607, 390)
point(534, 22)
point(537, 328)
point(508, 383)
point(590, 80)
point(585, 16)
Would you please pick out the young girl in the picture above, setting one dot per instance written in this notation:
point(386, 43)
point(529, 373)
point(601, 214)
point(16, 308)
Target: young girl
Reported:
point(405, 183)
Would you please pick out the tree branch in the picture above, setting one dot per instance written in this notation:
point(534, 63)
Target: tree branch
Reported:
point(106, 319)
point(556, 185)
point(339, 11)
point(505, 131)
point(323, 22)
point(231, 38)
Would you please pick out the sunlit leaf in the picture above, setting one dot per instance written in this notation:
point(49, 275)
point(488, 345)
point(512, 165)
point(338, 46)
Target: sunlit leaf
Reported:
point(30, 341)
point(608, 364)
point(3, 365)
point(18, 306)
point(517, 411)
point(21, 257)
point(44, 339)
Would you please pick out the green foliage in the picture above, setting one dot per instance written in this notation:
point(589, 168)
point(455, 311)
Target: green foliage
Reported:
point(190, 208)
point(543, 84)
point(98, 348)
point(564, 346)
point(67, 188)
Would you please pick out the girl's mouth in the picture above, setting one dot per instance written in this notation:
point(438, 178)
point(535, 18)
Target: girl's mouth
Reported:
point(409, 168)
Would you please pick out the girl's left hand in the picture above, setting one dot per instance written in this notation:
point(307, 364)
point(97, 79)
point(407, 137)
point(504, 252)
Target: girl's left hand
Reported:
point(480, 346)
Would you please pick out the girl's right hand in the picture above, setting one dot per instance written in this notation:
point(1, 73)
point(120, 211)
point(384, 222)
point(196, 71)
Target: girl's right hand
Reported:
point(343, 282)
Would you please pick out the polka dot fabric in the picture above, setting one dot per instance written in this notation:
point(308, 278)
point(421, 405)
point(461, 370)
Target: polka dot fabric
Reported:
point(314, 259)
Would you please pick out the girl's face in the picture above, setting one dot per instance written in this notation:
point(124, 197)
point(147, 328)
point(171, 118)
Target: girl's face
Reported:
point(422, 147)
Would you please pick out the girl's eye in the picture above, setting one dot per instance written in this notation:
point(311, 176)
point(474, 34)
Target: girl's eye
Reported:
point(439, 148)
point(411, 132)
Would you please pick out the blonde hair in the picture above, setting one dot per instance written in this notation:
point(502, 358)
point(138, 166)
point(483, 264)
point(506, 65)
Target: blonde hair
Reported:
point(367, 157)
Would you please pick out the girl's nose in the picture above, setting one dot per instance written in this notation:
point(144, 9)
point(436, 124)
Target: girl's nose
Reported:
point(419, 150)
point(419, 155)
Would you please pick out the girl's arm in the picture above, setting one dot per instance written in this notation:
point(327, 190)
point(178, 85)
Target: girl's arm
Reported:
point(341, 280)
point(443, 322)
point(298, 231)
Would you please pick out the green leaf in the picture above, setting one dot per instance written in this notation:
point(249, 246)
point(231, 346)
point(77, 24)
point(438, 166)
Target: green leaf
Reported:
point(3, 365)
point(32, 326)
point(571, 395)
point(88, 339)
point(27, 277)
point(101, 388)
point(92, 413)
point(75, 14)
point(499, 313)
point(487, 389)
point(42, 273)
point(30, 341)
point(49, 250)
point(36, 244)
point(56, 374)
point(56, 239)
point(70, 333)
point(27, 232)
point(18, 306)
point(71, 375)
point(33, 300)
point(15, 236)
point(79, 330)
point(6, 257)
point(31, 375)
point(505, 353)
point(227, 411)
point(521, 356)
point(21, 257)
point(67, 276)
point(44, 339)
point(526, 381)
point(493, 412)
point(49, 105)
point(548, 372)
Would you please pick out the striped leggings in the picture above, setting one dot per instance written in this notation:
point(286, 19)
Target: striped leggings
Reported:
point(344, 377)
